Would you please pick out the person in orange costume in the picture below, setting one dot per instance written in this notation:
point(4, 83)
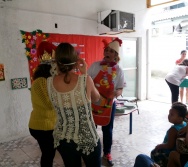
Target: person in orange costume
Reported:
point(108, 78)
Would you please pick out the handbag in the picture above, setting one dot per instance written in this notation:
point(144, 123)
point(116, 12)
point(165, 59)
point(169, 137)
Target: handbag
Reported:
point(181, 146)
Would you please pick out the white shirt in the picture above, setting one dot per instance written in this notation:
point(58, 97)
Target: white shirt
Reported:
point(177, 75)
point(119, 81)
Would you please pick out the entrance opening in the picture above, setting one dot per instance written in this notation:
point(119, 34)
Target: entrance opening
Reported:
point(164, 51)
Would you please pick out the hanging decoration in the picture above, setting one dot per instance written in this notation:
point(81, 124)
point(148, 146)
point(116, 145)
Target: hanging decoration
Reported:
point(19, 83)
point(30, 39)
point(89, 48)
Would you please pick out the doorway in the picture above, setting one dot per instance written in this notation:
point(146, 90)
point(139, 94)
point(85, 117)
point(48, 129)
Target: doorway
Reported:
point(128, 62)
point(163, 52)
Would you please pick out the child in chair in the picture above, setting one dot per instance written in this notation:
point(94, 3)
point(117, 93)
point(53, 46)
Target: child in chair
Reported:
point(176, 116)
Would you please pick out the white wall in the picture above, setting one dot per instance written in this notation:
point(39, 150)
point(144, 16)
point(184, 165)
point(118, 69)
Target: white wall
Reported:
point(72, 17)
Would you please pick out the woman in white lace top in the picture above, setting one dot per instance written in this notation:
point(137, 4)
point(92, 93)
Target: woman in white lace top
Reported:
point(75, 134)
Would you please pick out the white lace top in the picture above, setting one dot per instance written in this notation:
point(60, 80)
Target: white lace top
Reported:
point(75, 120)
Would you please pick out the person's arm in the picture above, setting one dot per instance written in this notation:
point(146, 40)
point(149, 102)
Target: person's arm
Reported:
point(92, 92)
point(186, 71)
point(172, 135)
point(118, 92)
point(186, 137)
point(82, 66)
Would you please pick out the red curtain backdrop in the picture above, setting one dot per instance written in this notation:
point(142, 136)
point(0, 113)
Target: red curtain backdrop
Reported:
point(89, 47)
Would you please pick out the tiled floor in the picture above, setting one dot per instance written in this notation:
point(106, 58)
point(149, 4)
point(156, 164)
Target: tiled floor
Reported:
point(149, 128)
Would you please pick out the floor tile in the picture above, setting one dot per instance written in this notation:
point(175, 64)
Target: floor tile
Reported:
point(149, 128)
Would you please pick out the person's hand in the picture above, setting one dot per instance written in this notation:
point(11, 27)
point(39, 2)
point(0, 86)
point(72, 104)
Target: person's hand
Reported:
point(154, 165)
point(82, 66)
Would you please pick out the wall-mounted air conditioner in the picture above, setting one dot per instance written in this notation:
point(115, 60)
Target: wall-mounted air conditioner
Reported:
point(115, 21)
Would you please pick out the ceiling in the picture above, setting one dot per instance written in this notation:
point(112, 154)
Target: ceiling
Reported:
point(76, 8)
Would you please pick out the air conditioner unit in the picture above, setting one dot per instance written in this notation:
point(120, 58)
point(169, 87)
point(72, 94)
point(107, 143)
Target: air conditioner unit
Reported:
point(115, 21)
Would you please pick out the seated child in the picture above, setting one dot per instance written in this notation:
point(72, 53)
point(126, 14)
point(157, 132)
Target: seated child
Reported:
point(176, 116)
point(177, 158)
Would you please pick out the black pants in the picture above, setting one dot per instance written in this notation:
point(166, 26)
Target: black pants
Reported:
point(174, 91)
point(108, 132)
point(46, 143)
point(72, 157)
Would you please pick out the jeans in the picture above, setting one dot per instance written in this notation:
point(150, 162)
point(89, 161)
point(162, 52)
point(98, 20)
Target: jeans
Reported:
point(108, 132)
point(143, 161)
point(46, 143)
point(72, 157)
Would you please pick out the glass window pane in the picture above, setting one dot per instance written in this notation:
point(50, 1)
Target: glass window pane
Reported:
point(128, 54)
point(128, 62)
point(131, 79)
